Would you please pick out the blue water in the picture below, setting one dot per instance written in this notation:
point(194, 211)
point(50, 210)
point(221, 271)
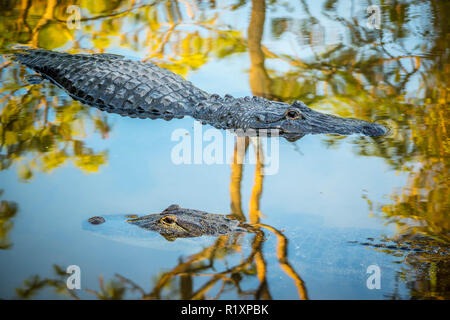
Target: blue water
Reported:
point(322, 196)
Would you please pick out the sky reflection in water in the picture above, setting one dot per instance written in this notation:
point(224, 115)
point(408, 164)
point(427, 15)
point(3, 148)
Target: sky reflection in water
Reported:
point(63, 163)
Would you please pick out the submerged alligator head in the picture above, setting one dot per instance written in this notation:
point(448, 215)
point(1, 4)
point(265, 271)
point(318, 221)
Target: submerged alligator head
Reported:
point(176, 222)
point(141, 89)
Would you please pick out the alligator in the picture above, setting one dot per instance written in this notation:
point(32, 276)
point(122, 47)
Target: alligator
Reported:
point(176, 222)
point(113, 83)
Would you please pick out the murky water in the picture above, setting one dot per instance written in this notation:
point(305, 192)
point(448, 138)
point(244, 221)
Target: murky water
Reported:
point(332, 211)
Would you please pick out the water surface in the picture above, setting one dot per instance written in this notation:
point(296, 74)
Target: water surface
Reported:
point(63, 162)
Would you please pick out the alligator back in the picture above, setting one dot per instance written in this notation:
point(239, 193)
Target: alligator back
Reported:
point(115, 84)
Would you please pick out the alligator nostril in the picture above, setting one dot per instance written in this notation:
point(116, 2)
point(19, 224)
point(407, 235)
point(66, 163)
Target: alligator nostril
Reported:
point(96, 220)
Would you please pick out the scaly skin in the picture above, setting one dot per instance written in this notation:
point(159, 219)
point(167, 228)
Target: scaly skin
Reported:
point(176, 222)
point(137, 89)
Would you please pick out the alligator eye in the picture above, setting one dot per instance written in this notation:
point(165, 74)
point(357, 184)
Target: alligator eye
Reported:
point(293, 114)
point(168, 220)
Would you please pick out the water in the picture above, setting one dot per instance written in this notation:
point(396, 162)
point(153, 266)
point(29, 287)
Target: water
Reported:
point(62, 162)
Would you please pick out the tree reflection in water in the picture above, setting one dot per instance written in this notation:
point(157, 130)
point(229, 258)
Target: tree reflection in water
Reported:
point(398, 74)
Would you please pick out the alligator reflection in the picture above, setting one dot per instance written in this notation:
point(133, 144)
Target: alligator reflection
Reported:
point(201, 264)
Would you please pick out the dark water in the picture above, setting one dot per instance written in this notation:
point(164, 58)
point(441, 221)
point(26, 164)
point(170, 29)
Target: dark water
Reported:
point(330, 207)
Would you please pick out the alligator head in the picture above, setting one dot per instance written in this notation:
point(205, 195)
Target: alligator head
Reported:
point(176, 222)
point(292, 120)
